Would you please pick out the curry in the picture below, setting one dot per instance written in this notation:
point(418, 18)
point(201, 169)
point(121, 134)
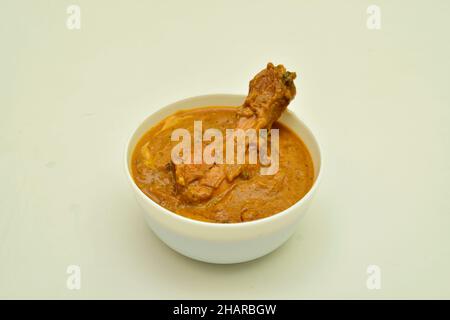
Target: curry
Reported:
point(223, 192)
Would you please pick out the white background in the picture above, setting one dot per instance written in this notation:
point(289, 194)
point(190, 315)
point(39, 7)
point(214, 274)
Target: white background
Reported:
point(378, 101)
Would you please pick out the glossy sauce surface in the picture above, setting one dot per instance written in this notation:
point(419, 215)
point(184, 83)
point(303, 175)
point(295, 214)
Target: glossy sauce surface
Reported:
point(248, 197)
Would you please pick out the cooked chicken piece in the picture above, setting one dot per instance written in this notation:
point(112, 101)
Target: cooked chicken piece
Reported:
point(270, 92)
point(196, 182)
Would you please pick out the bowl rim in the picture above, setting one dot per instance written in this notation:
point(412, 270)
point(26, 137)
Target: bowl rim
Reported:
point(244, 224)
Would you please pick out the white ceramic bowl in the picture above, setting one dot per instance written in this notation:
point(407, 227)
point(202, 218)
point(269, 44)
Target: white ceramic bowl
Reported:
point(220, 242)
